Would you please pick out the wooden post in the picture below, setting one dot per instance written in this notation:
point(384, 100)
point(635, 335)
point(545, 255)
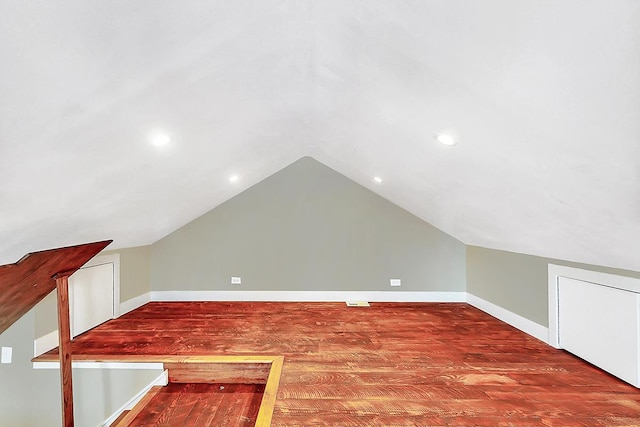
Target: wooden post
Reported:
point(64, 334)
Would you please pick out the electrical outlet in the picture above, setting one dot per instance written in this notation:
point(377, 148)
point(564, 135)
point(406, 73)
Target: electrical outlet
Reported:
point(236, 280)
point(6, 354)
point(395, 282)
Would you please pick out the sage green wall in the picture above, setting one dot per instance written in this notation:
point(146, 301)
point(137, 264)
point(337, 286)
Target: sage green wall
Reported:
point(28, 397)
point(135, 269)
point(31, 397)
point(134, 281)
point(308, 228)
point(98, 393)
point(46, 315)
point(518, 282)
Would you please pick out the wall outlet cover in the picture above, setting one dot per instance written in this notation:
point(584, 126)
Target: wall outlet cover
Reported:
point(6, 354)
point(236, 280)
point(395, 282)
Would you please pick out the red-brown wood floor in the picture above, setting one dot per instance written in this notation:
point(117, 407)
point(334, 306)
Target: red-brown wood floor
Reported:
point(202, 405)
point(391, 364)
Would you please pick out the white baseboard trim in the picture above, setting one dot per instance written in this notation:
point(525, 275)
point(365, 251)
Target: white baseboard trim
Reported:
point(525, 325)
point(162, 380)
point(309, 296)
point(101, 365)
point(134, 303)
point(45, 343)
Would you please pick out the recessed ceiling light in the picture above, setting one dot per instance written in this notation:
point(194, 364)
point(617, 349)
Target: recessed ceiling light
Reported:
point(159, 139)
point(377, 179)
point(445, 139)
point(234, 178)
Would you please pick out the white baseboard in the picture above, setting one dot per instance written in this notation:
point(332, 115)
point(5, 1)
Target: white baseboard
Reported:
point(525, 325)
point(134, 303)
point(45, 343)
point(309, 296)
point(162, 380)
point(101, 365)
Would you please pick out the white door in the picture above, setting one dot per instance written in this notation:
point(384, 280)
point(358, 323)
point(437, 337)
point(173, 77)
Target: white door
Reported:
point(600, 324)
point(91, 296)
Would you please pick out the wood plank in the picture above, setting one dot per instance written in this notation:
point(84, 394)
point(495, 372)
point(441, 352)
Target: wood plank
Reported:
point(257, 370)
point(64, 337)
point(228, 411)
point(118, 420)
point(239, 373)
point(26, 282)
point(138, 408)
point(394, 364)
point(270, 393)
point(250, 409)
point(201, 405)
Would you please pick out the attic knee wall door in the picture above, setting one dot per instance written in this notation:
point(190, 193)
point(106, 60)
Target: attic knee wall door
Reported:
point(600, 324)
point(91, 296)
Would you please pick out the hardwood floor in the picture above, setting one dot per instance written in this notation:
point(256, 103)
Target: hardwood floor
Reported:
point(202, 405)
point(391, 364)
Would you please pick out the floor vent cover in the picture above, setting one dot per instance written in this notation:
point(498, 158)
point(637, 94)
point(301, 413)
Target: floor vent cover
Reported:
point(357, 304)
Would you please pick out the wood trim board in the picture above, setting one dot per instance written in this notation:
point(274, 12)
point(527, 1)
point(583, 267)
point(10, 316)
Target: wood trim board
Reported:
point(255, 369)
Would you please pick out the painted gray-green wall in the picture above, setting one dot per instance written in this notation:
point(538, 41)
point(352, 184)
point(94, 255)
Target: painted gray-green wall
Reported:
point(135, 270)
point(518, 282)
point(308, 227)
point(134, 281)
point(28, 397)
point(46, 315)
point(31, 397)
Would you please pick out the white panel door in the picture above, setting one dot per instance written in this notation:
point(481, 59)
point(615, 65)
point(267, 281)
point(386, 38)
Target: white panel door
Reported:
point(600, 324)
point(91, 292)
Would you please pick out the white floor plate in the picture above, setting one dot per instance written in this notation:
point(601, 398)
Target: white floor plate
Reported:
point(357, 304)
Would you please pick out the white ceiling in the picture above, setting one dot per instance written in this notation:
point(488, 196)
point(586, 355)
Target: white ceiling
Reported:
point(544, 97)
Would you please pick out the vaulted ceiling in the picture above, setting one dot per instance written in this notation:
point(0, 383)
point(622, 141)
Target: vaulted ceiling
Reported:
point(543, 98)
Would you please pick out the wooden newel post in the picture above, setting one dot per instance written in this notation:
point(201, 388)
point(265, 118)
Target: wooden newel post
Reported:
point(64, 335)
point(26, 282)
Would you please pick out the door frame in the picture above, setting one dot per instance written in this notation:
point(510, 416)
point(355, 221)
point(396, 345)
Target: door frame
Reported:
point(49, 340)
point(556, 271)
point(115, 260)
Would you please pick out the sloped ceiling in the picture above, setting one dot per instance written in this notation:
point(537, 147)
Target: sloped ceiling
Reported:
point(543, 97)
